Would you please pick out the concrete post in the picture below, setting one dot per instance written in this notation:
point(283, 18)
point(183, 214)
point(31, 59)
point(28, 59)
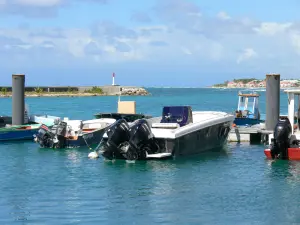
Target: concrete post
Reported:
point(272, 100)
point(18, 99)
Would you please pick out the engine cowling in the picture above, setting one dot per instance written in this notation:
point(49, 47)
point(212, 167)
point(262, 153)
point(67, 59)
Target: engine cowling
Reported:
point(281, 141)
point(117, 134)
point(141, 141)
point(52, 138)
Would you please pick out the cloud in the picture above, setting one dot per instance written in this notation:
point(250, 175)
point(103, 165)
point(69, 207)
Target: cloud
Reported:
point(92, 49)
point(49, 33)
point(247, 53)
point(141, 17)
point(122, 47)
point(110, 30)
point(223, 16)
point(158, 43)
point(183, 36)
point(38, 8)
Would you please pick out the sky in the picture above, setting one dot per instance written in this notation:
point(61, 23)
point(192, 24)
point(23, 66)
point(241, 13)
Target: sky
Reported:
point(173, 43)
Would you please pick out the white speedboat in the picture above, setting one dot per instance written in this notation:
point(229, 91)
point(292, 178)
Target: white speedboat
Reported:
point(179, 131)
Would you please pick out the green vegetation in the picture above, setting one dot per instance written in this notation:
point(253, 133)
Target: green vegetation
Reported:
point(38, 90)
point(220, 85)
point(244, 81)
point(95, 90)
point(72, 91)
point(4, 91)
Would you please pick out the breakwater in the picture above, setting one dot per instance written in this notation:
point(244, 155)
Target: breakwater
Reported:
point(72, 91)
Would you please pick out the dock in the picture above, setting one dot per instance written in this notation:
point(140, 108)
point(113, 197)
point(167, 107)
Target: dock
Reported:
point(261, 132)
point(254, 134)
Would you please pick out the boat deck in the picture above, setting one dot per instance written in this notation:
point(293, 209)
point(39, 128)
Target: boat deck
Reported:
point(201, 119)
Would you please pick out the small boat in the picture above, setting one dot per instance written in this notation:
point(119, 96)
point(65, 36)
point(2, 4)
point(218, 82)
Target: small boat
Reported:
point(179, 131)
point(72, 133)
point(14, 133)
point(284, 142)
point(247, 112)
point(10, 132)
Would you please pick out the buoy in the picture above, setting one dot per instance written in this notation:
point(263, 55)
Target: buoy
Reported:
point(93, 155)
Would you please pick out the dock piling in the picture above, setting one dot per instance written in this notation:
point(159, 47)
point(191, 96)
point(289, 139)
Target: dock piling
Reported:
point(272, 100)
point(18, 99)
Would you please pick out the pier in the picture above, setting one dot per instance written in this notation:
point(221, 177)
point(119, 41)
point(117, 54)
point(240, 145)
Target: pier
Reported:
point(80, 90)
point(254, 134)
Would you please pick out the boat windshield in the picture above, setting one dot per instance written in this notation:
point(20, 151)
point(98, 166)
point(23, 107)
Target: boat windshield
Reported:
point(175, 114)
point(246, 104)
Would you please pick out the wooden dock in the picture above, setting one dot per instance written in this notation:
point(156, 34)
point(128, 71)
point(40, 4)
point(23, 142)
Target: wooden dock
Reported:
point(252, 134)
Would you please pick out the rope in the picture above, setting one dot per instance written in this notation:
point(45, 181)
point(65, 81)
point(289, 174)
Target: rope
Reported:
point(87, 143)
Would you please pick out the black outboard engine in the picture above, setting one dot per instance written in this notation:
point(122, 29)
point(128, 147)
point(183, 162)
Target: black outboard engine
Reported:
point(281, 140)
point(141, 141)
point(52, 138)
point(117, 134)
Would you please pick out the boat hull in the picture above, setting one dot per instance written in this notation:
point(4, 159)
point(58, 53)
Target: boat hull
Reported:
point(292, 153)
point(15, 135)
point(199, 141)
point(90, 139)
point(246, 121)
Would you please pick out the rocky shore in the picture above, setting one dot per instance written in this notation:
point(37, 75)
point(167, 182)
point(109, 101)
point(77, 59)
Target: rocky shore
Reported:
point(134, 91)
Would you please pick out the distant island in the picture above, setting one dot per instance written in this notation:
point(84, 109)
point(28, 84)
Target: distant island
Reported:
point(256, 83)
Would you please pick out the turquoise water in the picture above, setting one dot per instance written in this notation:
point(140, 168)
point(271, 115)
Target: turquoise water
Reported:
point(234, 185)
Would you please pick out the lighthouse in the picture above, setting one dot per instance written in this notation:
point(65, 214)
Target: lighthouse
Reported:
point(113, 79)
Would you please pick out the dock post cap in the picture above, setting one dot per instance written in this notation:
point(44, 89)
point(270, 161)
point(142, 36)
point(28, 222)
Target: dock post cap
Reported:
point(273, 74)
point(18, 75)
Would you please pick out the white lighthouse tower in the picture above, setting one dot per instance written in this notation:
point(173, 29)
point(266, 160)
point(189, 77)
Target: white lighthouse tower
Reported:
point(113, 79)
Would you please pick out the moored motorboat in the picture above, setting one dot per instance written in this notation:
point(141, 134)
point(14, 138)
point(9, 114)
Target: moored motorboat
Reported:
point(247, 112)
point(72, 133)
point(284, 142)
point(179, 131)
point(9, 132)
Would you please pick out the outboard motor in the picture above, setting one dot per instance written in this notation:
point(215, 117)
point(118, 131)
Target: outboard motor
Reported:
point(281, 140)
point(52, 138)
point(117, 134)
point(141, 141)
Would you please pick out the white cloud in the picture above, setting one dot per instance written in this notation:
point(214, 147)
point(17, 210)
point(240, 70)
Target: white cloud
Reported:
point(184, 36)
point(247, 53)
point(223, 16)
point(39, 3)
point(270, 29)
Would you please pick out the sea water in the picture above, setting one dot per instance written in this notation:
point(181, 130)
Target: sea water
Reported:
point(234, 185)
